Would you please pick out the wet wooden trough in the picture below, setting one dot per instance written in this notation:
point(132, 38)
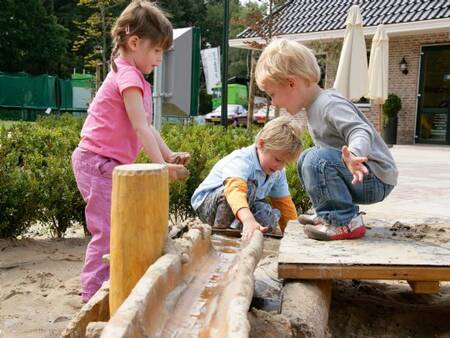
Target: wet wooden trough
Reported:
point(190, 287)
point(201, 287)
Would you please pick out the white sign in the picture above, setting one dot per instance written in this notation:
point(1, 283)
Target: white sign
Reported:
point(211, 67)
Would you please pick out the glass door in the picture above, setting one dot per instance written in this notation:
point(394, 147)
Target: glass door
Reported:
point(433, 120)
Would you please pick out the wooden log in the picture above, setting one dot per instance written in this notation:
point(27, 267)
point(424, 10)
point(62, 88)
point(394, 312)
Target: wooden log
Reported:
point(229, 314)
point(95, 329)
point(307, 305)
point(424, 287)
point(95, 310)
point(139, 220)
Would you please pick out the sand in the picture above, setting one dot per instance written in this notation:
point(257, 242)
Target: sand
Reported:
point(40, 291)
point(39, 281)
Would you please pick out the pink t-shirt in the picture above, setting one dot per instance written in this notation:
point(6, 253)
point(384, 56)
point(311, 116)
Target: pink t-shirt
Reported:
point(107, 130)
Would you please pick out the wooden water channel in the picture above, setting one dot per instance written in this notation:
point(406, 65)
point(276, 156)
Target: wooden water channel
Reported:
point(202, 287)
point(195, 286)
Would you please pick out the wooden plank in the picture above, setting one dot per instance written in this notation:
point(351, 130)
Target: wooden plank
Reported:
point(418, 273)
point(378, 247)
point(424, 287)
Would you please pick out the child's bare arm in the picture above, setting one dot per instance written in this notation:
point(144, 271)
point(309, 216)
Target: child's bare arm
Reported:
point(169, 155)
point(135, 109)
point(165, 150)
point(249, 222)
point(134, 105)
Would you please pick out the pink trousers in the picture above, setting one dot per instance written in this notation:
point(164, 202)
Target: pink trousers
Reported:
point(93, 174)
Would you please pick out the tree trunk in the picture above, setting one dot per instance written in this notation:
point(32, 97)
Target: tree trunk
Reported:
point(251, 94)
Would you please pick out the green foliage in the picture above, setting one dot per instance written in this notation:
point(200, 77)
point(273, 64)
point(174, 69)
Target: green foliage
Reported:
point(392, 105)
point(18, 204)
point(36, 179)
point(31, 39)
point(206, 144)
point(185, 13)
point(299, 196)
point(60, 203)
point(94, 41)
point(37, 183)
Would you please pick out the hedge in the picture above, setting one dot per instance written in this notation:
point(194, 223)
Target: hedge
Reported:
point(37, 182)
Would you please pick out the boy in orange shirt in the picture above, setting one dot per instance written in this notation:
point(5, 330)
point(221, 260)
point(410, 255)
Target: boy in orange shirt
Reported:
point(236, 189)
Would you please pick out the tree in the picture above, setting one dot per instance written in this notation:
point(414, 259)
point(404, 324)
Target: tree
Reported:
point(31, 40)
point(95, 37)
point(212, 32)
point(185, 13)
point(68, 14)
point(264, 28)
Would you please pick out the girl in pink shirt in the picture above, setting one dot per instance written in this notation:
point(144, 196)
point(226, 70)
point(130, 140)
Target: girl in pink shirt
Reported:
point(118, 126)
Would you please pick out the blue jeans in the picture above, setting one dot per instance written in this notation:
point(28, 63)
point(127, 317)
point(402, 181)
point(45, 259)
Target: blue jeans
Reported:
point(328, 182)
point(216, 211)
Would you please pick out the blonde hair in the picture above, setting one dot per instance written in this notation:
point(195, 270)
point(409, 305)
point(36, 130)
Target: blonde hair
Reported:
point(282, 58)
point(282, 134)
point(145, 20)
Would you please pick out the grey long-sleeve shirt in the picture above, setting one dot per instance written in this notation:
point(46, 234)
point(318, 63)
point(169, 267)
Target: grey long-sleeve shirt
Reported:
point(334, 121)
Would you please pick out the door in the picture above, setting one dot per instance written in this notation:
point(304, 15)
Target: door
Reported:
point(433, 118)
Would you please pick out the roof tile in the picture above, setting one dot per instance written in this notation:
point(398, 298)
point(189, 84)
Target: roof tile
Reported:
point(301, 16)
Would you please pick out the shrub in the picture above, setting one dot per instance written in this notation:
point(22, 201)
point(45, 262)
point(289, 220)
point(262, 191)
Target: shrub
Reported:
point(18, 202)
point(37, 183)
point(392, 105)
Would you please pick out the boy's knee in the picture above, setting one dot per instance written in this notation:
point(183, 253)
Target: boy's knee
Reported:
point(305, 160)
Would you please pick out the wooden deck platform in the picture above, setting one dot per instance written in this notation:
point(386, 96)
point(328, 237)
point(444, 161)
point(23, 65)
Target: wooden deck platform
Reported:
point(378, 256)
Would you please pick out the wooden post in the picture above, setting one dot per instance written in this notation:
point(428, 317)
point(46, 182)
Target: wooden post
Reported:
point(424, 287)
point(139, 219)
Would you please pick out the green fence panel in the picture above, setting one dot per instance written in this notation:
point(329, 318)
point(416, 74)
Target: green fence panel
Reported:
point(66, 94)
point(21, 90)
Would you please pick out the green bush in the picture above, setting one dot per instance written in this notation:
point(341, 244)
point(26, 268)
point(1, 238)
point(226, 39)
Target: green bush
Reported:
point(37, 183)
point(18, 202)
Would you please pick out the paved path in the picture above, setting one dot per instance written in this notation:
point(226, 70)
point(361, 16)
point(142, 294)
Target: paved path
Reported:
point(423, 191)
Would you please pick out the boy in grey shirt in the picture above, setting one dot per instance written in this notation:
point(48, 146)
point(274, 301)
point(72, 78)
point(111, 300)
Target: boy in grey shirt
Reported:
point(350, 163)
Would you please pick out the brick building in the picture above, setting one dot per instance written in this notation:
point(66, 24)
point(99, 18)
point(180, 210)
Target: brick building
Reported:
point(419, 33)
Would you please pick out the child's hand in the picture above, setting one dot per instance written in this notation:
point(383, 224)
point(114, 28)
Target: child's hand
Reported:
point(355, 164)
point(250, 227)
point(182, 158)
point(177, 172)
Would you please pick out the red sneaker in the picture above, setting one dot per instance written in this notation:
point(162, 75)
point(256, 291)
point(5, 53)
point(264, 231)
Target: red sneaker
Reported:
point(327, 232)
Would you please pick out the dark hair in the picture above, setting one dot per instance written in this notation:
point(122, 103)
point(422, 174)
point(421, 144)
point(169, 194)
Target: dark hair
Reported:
point(144, 19)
